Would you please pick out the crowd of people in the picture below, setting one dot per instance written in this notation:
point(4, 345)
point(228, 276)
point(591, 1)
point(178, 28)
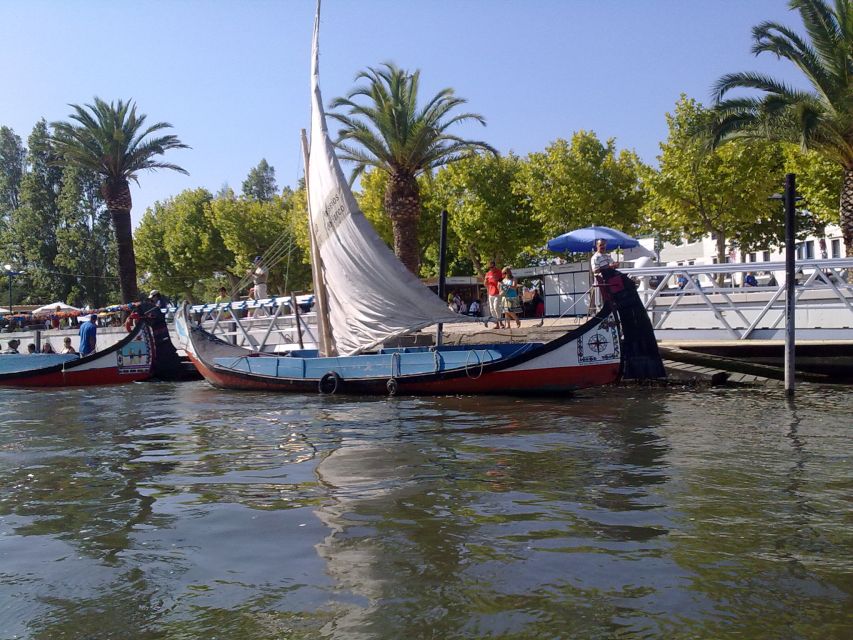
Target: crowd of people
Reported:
point(507, 301)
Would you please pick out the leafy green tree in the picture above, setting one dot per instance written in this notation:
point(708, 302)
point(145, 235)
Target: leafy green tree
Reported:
point(489, 219)
point(111, 140)
point(32, 228)
point(179, 246)
point(820, 119)
point(260, 183)
point(392, 133)
point(251, 227)
point(819, 181)
point(580, 183)
point(12, 157)
point(371, 199)
point(85, 245)
point(725, 192)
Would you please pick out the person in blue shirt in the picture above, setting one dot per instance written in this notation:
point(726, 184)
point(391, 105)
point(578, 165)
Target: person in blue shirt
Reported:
point(88, 336)
point(750, 280)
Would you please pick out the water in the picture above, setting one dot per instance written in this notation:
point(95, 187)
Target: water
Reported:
point(179, 511)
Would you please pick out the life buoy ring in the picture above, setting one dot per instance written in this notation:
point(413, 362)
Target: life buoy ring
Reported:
point(329, 383)
point(392, 387)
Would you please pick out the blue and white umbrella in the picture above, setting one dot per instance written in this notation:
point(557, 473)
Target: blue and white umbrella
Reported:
point(583, 240)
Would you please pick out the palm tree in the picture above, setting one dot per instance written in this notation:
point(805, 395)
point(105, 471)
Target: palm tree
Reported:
point(821, 119)
point(112, 141)
point(392, 134)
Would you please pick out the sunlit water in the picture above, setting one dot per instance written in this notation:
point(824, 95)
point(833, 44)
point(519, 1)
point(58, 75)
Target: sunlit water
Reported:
point(180, 511)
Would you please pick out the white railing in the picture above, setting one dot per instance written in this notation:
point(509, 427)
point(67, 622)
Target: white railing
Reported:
point(261, 325)
point(704, 308)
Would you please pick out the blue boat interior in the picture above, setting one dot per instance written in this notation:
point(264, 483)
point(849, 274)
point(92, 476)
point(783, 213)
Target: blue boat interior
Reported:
point(385, 363)
point(20, 362)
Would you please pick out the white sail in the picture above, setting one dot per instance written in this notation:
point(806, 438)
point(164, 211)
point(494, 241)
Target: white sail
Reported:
point(371, 295)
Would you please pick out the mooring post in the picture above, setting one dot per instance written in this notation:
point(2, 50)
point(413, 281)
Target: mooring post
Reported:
point(442, 271)
point(790, 282)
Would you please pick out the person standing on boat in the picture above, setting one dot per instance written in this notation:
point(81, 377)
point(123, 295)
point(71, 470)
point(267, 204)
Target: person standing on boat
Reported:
point(259, 278)
point(158, 299)
point(88, 336)
point(509, 288)
point(492, 282)
point(602, 264)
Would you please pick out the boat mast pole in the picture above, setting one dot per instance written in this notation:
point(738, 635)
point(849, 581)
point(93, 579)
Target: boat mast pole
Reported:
point(326, 345)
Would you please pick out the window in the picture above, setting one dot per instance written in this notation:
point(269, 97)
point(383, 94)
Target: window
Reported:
point(836, 248)
point(809, 250)
point(766, 256)
point(751, 257)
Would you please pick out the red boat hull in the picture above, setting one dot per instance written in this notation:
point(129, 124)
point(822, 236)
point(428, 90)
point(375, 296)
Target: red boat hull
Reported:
point(129, 360)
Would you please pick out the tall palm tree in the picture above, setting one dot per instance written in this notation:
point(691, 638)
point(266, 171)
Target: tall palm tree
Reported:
point(390, 132)
point(821, 119)
point(111, 140)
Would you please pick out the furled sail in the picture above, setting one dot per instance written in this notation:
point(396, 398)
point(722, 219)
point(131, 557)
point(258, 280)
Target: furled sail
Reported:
point(371, 295)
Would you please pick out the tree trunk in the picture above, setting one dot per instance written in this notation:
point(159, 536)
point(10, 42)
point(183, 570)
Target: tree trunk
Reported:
point(117, 195)
point(403, 205)
point(721, 257)
point(846, 212)
point(126, 256)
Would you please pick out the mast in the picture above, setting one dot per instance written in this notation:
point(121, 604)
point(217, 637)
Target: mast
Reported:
point(327, 342)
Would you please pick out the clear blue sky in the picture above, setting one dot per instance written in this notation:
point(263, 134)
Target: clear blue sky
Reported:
point(232, 77)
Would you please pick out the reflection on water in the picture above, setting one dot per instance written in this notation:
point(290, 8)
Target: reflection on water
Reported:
point(181, 511)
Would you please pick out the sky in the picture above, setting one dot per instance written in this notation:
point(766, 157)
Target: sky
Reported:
point(232, 77)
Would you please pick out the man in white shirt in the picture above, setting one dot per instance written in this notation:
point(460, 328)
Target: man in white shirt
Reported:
point(601, 260)
point(259, 277)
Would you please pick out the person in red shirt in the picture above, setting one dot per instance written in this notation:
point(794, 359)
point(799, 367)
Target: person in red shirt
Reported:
point(492, 282)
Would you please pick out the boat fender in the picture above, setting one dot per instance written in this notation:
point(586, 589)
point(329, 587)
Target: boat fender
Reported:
point(392, 387)
point(329, 383)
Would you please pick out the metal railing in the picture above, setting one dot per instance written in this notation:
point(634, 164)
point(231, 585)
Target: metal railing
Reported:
point(260, 325)
point(711, 304)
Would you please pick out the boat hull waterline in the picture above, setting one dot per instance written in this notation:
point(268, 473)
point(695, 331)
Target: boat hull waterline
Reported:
point(587, 356)
point(129, 360)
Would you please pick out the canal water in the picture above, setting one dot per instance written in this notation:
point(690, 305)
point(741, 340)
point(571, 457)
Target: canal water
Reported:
point(179, 511)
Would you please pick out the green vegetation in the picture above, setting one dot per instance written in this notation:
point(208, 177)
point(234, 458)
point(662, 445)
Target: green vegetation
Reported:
point(820, 120)
point(725, 192)
point(112, 141)
point(392, 133)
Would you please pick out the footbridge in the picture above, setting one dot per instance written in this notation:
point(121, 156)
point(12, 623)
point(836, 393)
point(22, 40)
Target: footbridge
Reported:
point(711, 306)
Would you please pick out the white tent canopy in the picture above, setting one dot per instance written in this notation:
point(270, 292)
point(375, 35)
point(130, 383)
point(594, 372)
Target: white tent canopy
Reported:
point(52, 307)
point(4, 310)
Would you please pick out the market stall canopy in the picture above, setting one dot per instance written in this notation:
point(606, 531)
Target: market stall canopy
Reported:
point(4, 310)
point(583, 240)
point(49, 308)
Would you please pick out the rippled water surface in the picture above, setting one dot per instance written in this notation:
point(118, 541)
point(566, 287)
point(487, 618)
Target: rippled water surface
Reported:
point(179, 511)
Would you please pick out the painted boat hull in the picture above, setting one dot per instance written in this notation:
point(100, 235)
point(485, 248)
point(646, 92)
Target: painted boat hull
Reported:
point(129, 360)
point(587, 356)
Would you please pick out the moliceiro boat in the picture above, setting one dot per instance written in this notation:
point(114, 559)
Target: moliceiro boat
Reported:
point(590, 355)
point(365, 297)
point(129, 360)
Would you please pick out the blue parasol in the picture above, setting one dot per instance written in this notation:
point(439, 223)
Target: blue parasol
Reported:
point(583, 240)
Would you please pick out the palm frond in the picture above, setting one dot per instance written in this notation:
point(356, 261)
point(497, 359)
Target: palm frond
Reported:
point(112, 139)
